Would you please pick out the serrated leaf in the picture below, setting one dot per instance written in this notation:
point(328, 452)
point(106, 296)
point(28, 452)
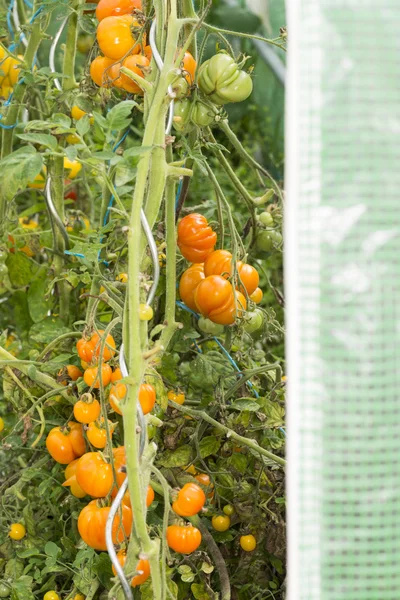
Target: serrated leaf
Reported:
point(209, 445)
point(245, 404)
point(83, 125)
point(100, 120)
point(47, 330)
point(119, 116)
point(20, 269)
point(18, 169)
point(275, 414)
point(199, 591)
point(175, 458)
point(62, 119)
point(44, 139)
point(52, 550)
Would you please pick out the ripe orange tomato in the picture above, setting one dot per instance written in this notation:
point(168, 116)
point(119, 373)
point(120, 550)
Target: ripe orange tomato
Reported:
point(215, 300)
point(196, 239)
point(148, 52)
point(71, 481)
point(115, 36)
point(178, 398)
point(66, 444)
point(257, 295)
point(117, 393)
point(94, 475)
point(249, 277)
point(113, 8)
point(189, 65)
point(119, 458)
point(183, 539)
point(190, 500)
point(91, 376)
point(117, 375)
point(97, 434)
point(218, 262)
point(142, 568)
point(69, 372)
point(99, 71)
point(203, 478)
point(147, 397)
point(88, 349)
point(87, 410)
point(133, 62)
point(92, 525)
point(127, 499)
point(188, 283)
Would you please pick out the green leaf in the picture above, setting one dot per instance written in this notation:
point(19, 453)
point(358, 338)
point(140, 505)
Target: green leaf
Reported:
point(207, 568)
point(51, 549)
point(199, 591)
point(29, 519)
point(17, 169)
point(102, 155)
point(83, 125)
point(136, 151)
point(47, 330)
point(209, 445)
point(21, 315)
point(182, 569)
point(119, 116)
point(275, 414)
point(187, 577)
point(238, 461)
point(19, 269)
point(62, 119)
point(245, 404)
point(102, 568)
point(22, 589)
point(100, 120)
point(71, 152)
point(176, 458)
point(38, 305)
point(28, 552)
point(44, 139)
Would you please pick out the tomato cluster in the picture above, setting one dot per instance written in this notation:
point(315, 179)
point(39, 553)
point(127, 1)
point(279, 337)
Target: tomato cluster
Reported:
point(205, 287)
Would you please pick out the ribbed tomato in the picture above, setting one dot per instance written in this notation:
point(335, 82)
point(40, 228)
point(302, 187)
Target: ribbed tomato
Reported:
point(71, 481)
point(183, 539)
point(220, 263)
point(188, 283)
point(92, 525)
point(190, 500)
point(113, 8)
point(214, 298)
point(196, 239)
point(96, 433)
point(92, 377)
point(89, 349)
point(134, 63)
point(94, 475)
point(116, 38)
point(142, 568)
point(66, 444)
point(100, 69)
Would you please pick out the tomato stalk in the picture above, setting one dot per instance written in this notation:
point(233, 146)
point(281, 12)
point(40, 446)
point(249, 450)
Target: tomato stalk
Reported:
point(68, 82)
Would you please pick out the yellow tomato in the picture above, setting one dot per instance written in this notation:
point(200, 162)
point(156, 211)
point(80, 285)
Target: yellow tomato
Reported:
point(221, 522)
point(248, 542)
point(17, 531)
point(27, 223)
point(145, 312)
point(77, 114)
point(38, 183)
point(72, 139)
point(122, 277)
point(73, 166)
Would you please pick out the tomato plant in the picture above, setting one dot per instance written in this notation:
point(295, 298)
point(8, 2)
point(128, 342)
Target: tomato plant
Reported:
point(132, 258)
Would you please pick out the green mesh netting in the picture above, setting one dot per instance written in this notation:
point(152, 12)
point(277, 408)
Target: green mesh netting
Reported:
point(343, 290)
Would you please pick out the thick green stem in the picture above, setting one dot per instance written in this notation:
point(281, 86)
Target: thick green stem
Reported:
point(56, 171)
point(68, 82)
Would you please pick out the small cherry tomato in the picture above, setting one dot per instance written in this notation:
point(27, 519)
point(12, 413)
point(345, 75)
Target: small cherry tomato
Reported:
point(215, 299)
point(204, 479)
point(114, 8)
point(17, 531)
point(92, 525)
point(38, 183)
point(136, 63)
point(257, 295)
point(96, 433)
point(94, 475)
point(253, 321)
point(184, 539)
point(189, 65)
point(1, 424)
point(52, 595)
point(190, 500)
point(66, 444)
point(122, 277)
point(87, 409)
point(84, 43)
point(73, 166)
point(92, 379)
point(89, 349)
point(145, 312)
point(79, 597)
point(228, 509)
point(117, 375)
point(70, 372)
point(178, 398)
point(248, 542)
point(147, 397)
point(117, 393)
point(77, 113)
point(266, 219)
point(249, 277)
point(99, 71)
point(191, 469)
point(268, 240)
point(188, 283)
point(116, 38)
point(142, 569)
point(196, 239)
point(221, 522)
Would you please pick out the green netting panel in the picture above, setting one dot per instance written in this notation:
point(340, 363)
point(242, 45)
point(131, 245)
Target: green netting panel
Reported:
point(343, 292)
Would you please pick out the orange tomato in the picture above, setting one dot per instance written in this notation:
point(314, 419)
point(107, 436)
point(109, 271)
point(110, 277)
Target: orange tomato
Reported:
point(66, 444)
point(147, 397)
point(92, 525)
point(189, 66)
point(97, 434)
point(249, 277)
point(183, 539)
point(94, 475)
point(190, 500)
point(71, 481)
point(91, 376)
point(257, 295)
point(117, 375)
point(87, 410)
point(89, 349)
point(148, 52)
point(119, 458)
point(134, 63)
point(116, 38)
point(69, 372)
point(127, 499)
point(196, 239)
point(142, 568)
point(218, 262)
point(117, 393)
point(203, 478)
point(215, 300)
point(188, 283)
point(99, 71)
point(113, 8)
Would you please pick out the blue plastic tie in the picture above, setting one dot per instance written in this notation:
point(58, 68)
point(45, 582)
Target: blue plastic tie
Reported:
point(29, 4)
point(74, 253)
point(36, 14)
point(9, 24)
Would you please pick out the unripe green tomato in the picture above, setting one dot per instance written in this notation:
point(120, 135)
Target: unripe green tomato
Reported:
point(266, 219)
point(210, 328)
point(268, 240)
point(5, 590)
point(182, 110)
point(202, 115)
point(84, 43)
point(253, 321)
point(180, 88)
point(222, 81)
point(228, 509)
